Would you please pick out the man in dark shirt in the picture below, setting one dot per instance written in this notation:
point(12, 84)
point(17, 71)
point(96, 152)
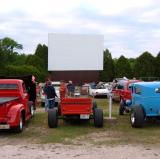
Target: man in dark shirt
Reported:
point(50, 92)
point(32, 92)
point(71, 88)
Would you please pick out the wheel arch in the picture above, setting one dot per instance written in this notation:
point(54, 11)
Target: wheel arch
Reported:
point(23, 112)
point(140, 105)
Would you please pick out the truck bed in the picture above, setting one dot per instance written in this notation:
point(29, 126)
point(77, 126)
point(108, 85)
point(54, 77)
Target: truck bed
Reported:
point(71, 106)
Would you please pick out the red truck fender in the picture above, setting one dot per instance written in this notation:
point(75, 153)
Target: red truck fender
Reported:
point(14, 114)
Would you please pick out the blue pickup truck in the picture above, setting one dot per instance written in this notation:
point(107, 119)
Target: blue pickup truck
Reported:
point(145, 102)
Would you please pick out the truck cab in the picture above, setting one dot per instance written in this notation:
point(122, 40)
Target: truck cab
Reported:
point(122, 90)
point(145, 102)
point(15, 107)
point(125, 95)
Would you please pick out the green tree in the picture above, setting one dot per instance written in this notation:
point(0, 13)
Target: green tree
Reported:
point(158, 65)
point(145, 65)
point(7, 50)
point(2, 60)
point(42, 52)
point(132, 62)
point(14, 64)
point(108, 67)
point(35, 61)
point(123, 68)
point(20, 59)
point(8, 44)
point(12, 70)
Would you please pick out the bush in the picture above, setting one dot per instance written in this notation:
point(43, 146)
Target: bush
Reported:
point(12, 70)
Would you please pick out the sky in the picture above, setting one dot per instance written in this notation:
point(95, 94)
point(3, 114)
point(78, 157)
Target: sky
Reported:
point(130, 27)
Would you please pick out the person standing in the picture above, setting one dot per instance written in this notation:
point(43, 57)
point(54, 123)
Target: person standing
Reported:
point(32, 92)
point(50, 92)
point(45, 96)
point(62, 89)
point(71, 88)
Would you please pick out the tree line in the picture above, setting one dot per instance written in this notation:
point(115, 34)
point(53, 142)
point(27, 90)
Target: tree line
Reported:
point(145, 67)
point(13, 63)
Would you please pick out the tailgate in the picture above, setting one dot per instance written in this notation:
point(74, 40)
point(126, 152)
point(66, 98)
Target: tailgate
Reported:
point(76, 106)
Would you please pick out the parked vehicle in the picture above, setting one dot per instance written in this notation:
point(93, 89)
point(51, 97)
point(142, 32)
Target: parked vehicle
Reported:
point(75, 108)
point(15, 107)
point(42, 95)
point(98, 90)
point(122, 88)
point(56, 85)
point(85, 89)
point(124, 95)
point(145, 102)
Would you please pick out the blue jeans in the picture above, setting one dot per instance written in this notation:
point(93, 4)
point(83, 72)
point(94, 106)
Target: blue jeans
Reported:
point(46, 103)
point(51, 103)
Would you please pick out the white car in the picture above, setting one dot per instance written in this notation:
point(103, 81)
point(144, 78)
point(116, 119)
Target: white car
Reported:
point(98, 90)
point(42, 96)
point(56, 85)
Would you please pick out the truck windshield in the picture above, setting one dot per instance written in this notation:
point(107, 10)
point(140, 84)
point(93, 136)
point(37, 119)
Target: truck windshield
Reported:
point(138, 90)
point(8, 86)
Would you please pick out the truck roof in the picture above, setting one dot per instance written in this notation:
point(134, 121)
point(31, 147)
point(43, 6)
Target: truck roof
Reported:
point(11, 81)
point(148, 84)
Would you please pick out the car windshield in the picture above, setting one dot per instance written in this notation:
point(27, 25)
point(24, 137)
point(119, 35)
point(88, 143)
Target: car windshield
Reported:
point(8, 86)
point(98, 87)
point(93, 86)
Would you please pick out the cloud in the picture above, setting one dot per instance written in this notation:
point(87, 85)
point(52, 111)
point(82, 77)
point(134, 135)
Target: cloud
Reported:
point(130, 27)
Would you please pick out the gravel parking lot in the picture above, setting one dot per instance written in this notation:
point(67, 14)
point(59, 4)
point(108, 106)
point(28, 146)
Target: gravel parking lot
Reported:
point(83, 141)
point(59, 151)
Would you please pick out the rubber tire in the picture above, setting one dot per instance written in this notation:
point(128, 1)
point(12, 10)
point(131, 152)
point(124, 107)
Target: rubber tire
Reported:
point(20, 127)
point(98, 118)
point(138, 113)
point(121, 108)
point(52, 118)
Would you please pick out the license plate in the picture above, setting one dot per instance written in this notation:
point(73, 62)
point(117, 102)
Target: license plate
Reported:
point(4, 126)
point(84, 116)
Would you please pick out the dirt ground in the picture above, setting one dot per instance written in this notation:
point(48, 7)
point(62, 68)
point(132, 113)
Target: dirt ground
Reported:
point(80, 148)
point(60, 151)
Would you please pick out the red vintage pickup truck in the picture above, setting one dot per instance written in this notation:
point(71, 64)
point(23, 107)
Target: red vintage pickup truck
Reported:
point(122, 90)
point(15, 107)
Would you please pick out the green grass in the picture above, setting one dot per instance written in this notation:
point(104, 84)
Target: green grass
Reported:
point(119, 133)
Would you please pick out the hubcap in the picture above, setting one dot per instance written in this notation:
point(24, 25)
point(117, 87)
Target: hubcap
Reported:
point(132, 118)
